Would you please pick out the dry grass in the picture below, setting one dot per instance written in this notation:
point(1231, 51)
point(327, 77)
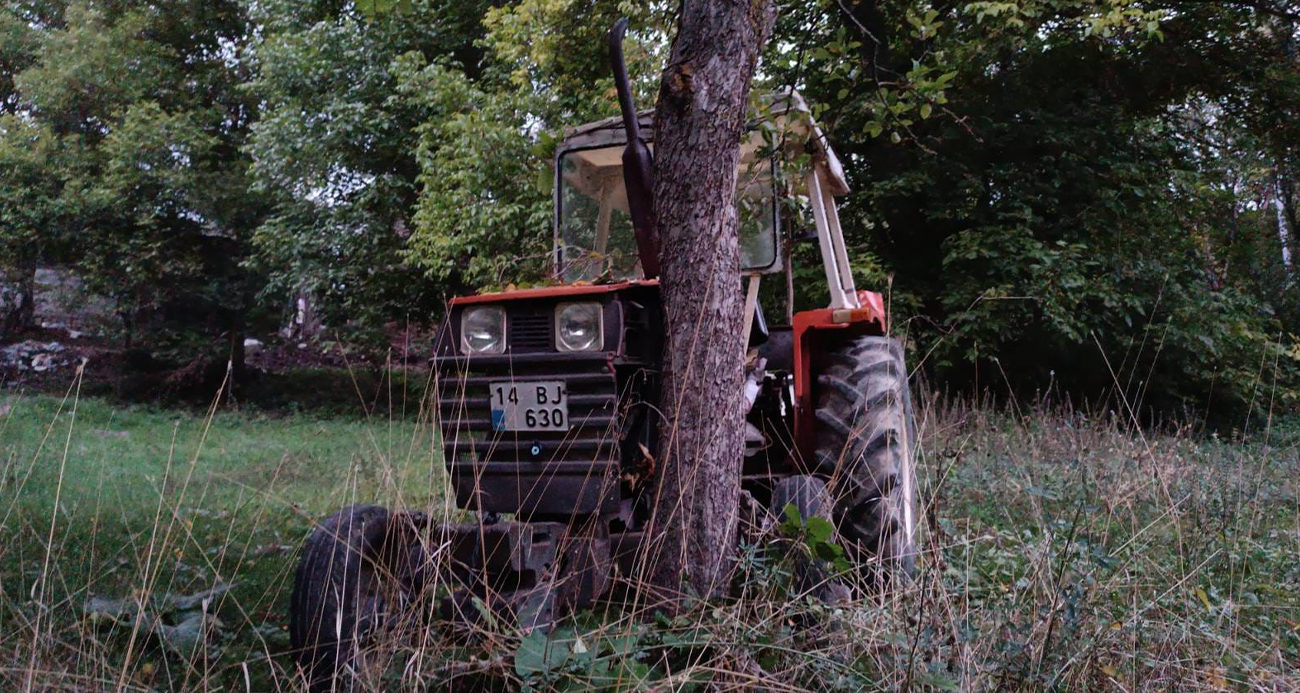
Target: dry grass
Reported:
point(1062, 551)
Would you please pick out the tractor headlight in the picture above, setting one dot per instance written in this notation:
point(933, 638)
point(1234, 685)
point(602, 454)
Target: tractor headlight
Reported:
point(579, 327)
point(483, 330)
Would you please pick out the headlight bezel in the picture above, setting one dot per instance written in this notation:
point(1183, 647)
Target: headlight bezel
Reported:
point(499, 346)
point(598, 311)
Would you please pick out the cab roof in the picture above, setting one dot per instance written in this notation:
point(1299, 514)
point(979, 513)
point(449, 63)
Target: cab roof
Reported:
point(788, 109)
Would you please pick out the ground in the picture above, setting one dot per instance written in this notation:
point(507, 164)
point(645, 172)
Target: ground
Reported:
point(1061, 550)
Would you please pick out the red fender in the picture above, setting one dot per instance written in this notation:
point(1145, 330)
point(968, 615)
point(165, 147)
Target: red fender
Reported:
point(811, 327)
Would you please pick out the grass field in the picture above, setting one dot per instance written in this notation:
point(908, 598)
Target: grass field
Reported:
point(97, 501)
point(1061, 552)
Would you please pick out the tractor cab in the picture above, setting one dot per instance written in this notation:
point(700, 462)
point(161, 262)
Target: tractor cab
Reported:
point(594, 239)
point(593, 228)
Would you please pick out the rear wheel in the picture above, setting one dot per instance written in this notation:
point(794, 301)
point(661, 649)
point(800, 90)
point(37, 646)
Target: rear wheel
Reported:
point(341, 594)
point(865, 434)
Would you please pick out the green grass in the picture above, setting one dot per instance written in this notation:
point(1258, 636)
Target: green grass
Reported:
point(1061, 551)
point(1079, 553)
point(144, 501)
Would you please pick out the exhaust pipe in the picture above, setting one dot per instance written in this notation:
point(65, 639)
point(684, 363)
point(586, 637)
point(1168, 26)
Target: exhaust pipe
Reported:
point(638, 163)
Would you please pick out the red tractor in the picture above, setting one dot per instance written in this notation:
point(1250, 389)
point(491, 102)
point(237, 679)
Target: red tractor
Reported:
point(547, 401)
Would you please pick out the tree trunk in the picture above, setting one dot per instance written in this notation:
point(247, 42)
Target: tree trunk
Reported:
point(1286, 219)
point(698, 129)
point(238, 354)
point(20, 316)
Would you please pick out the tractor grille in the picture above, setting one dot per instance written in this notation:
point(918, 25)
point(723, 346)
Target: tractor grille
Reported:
point(531, 332)
point(531, 472)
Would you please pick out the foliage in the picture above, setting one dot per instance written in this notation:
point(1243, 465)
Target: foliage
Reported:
point(1040, 181)
point(480, 208)
point(34, 213)
point(484, 214)
point(1099, 192)
point(140, 119)
point(814, 536)
point(336, 148)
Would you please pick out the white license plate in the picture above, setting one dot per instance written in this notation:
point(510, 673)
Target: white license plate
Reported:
point(540, 405)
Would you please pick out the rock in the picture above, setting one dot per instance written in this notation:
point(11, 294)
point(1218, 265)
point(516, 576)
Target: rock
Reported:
point(253, 346)
point(35, 355)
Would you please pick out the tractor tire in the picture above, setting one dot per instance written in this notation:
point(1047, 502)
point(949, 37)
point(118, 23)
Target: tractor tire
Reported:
point(864, 443)
point(341, 595)
point(809, 496)
point(807, 493)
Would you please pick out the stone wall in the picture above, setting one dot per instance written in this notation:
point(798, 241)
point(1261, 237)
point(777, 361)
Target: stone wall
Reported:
point(64, 302)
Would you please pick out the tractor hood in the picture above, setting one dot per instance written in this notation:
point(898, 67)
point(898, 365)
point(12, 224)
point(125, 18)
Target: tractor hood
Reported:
point(561, 291)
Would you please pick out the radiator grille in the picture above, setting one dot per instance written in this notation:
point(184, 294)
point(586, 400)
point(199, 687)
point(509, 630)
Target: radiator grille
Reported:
point(547, 472)
point(530, 332)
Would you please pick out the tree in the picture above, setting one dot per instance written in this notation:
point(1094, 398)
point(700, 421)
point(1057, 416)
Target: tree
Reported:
point(699, 124)
point(32, 216)
point(1038, 180)
point(337, 147)
point(30, 209)
point(486, 150)
point(405, 144)
point(146, 114)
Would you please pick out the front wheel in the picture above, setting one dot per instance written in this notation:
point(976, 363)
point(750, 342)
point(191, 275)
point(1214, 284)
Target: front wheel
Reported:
point(341, 593)
point(865, 441)
point(809, 497)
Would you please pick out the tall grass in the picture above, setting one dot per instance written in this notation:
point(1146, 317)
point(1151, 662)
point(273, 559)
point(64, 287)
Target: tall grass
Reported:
point(1062, 550)
point(111, 516)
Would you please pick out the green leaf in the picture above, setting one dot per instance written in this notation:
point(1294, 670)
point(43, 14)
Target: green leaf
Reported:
point(541, 654)
point(828, 552)
point(819, 529)
point(792, 516)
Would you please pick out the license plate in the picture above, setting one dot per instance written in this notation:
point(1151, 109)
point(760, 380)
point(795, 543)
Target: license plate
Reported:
point(540, 405)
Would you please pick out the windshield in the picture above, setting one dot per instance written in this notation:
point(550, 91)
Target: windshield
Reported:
point(595, 235)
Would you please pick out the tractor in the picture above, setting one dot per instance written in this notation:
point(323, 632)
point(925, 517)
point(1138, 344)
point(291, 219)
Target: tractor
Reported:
point(547, 403)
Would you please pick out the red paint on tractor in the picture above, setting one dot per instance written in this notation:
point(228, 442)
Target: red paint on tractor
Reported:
point(551, 292)
point(869, 319)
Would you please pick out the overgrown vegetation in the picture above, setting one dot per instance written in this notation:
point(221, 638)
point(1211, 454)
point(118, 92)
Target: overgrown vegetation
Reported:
point(1062, 551)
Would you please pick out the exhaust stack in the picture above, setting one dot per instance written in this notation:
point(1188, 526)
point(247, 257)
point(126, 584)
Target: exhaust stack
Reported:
point(638, 162)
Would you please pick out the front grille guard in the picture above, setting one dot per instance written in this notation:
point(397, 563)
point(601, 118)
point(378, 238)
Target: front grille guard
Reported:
point(531, 473)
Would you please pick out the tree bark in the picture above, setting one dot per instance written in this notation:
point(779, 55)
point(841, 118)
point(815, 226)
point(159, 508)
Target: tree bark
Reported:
point(699, 124)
